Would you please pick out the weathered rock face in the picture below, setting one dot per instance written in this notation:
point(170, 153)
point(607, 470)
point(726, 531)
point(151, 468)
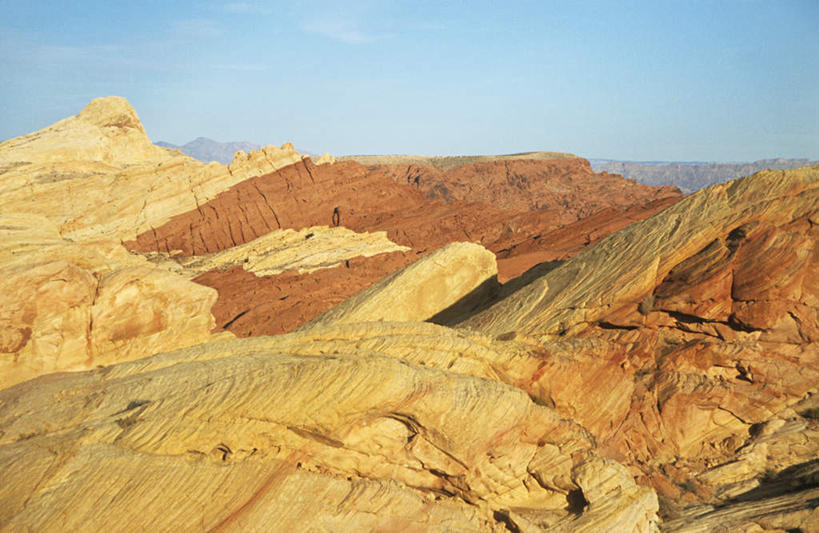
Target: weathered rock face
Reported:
point(569, 299)
point(369, 199)
point(665, 376)
point(75, 305)
point(516, 255)
point(696, 329)
point(70, 296)
point(346, 194)
point(362, 439)
point(567, 185)
point(97, 174)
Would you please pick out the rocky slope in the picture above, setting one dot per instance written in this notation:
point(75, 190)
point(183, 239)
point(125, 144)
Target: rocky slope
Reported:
point(567, 184)
point(664, 377)
point(71, 297)
point(368, 199)
point(270, 432)
point(98, 174)
point(703, 322)
point(694, 176)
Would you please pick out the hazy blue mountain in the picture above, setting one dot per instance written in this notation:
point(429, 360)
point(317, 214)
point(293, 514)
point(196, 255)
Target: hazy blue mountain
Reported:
point(208, 150)
point(691, 176)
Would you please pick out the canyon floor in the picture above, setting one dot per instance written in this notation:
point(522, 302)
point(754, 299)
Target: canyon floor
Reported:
point(398, 343)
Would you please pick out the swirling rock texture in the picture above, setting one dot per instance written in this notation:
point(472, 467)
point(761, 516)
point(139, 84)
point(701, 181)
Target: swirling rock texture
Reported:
point(273, 433)
point(664, 377)
point(702, 322)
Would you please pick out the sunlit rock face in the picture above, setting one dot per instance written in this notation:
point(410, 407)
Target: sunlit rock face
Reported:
point(664, 377)
point(98, 175)
point(696, 331)
point(282, 433)
point(67, 305)
point(496, 205)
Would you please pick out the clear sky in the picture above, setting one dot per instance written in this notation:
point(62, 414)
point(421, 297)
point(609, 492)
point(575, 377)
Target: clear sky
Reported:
point(655, 80)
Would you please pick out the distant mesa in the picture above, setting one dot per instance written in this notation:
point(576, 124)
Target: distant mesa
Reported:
point(692, 176)
point(450, 162)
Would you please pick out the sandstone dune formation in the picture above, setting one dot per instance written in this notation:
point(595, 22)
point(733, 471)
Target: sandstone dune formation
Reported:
point(657, 376)
point(98, 175)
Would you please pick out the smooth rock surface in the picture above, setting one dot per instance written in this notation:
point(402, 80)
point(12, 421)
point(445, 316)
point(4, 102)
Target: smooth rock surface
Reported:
point(421, 290)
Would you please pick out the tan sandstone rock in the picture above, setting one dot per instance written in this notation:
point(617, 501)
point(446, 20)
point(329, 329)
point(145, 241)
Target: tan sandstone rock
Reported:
point(353, 439)
point(73, 305)
point(421, 290)
point(628, 265)
point(98, 175)
point(683, 340)
point(287, 250)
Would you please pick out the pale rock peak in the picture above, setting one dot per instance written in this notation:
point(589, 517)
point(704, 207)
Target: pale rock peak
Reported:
point(111, 112)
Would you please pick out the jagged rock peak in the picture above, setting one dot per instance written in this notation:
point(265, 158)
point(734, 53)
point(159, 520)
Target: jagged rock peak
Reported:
point(111, 112)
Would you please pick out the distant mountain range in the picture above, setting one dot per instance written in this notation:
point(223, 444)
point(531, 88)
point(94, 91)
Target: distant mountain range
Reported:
point(208, 150)
point(691, 176)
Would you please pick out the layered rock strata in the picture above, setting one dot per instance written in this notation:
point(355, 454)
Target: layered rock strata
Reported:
point(702, 322)
point(300, 252)
point(98, 175)
point(375, 440)
point(368, 199)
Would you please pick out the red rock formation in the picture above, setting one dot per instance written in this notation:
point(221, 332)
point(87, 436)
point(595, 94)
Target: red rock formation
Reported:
point(694, 337)
point(516, 256)
point(376, 198)
point(250, 306)
point(568, 186)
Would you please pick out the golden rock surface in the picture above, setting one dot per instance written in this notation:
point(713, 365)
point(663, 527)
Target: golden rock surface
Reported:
point(629, 264)
point(68, 305)
point(420, 290)
point(305, 250)
point(666, 377)
point(98, 175)
point(275, 431)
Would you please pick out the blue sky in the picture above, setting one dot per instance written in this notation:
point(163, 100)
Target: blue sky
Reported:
point(683, 80)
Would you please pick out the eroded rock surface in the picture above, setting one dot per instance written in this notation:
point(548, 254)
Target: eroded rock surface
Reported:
point(98, 175)
point(566, 185)
point(701, 322)
point(368, 199)
point(279, 251)
point(664, 377)
point(355, 440)
point(74, 305)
